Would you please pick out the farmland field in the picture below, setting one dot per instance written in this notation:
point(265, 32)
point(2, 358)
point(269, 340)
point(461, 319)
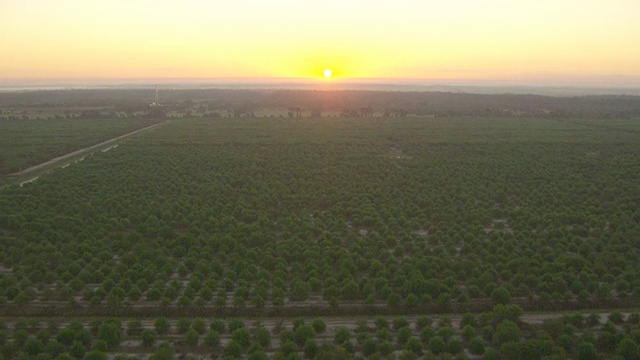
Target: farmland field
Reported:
point(32, 141)
point(366, 218)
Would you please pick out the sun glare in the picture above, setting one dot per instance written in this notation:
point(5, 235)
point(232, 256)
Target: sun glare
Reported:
point(328, 73)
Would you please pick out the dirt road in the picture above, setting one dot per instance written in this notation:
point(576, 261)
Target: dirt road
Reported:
point(78, 152)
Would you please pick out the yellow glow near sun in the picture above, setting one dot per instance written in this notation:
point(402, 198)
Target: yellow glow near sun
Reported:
point(328, 73)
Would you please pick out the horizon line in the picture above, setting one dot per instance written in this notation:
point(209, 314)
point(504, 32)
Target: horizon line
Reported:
point(353, 84)
point(604, 82)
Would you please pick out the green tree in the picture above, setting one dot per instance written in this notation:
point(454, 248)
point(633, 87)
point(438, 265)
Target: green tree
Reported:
point(233, 349)
point(164, 352)
point(507, 331)
point(394, 299)
point(191, 337)
point(507, 312)
point(454, 346)
point(262, 337)
point(414, 345)
point(399, 323)
point(331, 352)
point(212, 339)
point(476, 346)
point(199, 325)
point(587, 351)
point(318, 325)
point(436, 345)
point(297, 322)
point(403, 335)
point(110, 334)
point(427, 333)
point(134, 327)
point(445, 332)
point(148, 338)
point(217, 325)
point(341, 336)
point(242, 337)
point(257, 355)
point(444, 301)
point(288, 349)
point(162, 325)
point(183, 325)
point(511, 351)
point(593, 319)
point(412, 300)
point(604, 291)
point(386, 348)
point(20, 337)
point(205, 293)
point(84, 336)
point(100, 345)
point(491, 354)
point(408, 355)
point(616, 317)
point(303, 333)
point(381, 323)
point(608, 338)
point(628, 349)
point(95, 355)
point(236, 324)
point(423, 321)
point(54, 348)
point(468, 319)
point(300, 290)
point(34, 347)
point(310, 348)
point(501, 296)
point(77, 349)
point(369, 346)
point(468, 332)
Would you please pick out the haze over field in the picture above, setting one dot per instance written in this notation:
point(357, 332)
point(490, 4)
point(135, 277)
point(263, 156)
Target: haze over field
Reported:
point(504, 42)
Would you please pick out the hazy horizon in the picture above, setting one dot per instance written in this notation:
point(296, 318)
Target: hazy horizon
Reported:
point(401, 85)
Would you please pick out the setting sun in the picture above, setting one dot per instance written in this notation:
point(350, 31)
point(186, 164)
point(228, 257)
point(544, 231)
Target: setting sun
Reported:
point(578, 42)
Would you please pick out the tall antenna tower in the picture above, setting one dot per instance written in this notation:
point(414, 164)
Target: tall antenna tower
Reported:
point(156, 101)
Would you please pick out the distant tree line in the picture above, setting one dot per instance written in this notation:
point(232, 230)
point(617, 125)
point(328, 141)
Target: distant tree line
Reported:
point(245, 103)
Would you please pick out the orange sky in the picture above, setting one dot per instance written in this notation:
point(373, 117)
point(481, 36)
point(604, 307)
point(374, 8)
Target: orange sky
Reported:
point(545, 41)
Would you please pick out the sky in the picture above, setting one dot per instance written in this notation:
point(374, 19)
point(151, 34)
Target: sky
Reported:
point(544, 42)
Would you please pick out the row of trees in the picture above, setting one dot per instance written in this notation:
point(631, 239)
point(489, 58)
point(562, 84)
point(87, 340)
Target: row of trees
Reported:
point(498, 334)
point(419, 103)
